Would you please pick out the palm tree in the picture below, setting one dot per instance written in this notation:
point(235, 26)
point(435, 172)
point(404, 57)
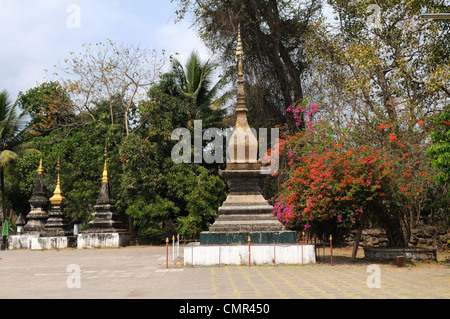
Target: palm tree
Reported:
point(195, 83)
point(12, 130)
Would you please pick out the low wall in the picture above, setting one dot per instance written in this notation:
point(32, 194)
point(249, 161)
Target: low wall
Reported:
point(422, 236)
point(413, 253)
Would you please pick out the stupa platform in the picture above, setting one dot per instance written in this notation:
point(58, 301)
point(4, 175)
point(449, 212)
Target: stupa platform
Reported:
point(37, 242)
point(103, 240)
point(196, 254)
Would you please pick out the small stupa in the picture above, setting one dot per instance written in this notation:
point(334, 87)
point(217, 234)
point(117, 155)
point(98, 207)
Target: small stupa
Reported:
point(36, 218)
point(105, 219)
point(57, 224)
point(105, 228)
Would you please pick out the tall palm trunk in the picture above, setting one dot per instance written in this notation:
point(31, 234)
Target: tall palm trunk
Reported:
point(2, 189)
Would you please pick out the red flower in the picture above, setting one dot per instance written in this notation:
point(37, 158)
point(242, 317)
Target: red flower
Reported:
point(420, 122)
point(392, 137)
point(382, 126)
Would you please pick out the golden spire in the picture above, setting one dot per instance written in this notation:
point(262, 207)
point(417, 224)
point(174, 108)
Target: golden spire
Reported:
point(239, 50)
point(243, 145)
point(57, 198)
point(105, 170)
point(241, 93)
point(40, 169)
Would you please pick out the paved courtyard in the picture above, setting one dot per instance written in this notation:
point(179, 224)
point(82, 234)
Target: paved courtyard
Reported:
point(140, 272)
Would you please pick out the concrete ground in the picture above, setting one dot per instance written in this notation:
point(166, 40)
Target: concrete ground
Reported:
point(140, 272)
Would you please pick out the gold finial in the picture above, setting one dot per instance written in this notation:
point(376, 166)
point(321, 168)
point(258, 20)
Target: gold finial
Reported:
point(106, 149)
point(239, 50)
point(57, 198)
point(40, 169)
point(241, 93)
point(105, 174)
point(105, 170)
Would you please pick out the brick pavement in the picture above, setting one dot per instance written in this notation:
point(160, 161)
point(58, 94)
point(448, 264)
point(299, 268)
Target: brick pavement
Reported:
point(140, 272)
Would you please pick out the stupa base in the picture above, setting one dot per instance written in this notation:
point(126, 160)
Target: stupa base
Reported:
point(258, 237)
point(103, 240)
point(196, 254)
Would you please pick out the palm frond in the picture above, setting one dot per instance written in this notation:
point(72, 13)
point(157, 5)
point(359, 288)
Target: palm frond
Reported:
point(5, 105)
point(7, 156)
point(180, 76)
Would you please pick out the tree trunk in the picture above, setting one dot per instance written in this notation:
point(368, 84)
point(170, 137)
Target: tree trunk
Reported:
point(2, 189)
point(395, 233)
point(358, 235)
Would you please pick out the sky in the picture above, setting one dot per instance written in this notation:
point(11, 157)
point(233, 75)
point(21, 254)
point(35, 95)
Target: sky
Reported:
point(36, 35)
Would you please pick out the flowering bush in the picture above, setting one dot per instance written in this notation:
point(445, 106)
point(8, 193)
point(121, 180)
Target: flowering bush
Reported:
point(331, 177)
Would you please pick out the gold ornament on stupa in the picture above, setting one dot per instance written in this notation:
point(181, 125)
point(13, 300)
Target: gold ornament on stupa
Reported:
point(105, 170)
point(57, 198)
point(40, 169)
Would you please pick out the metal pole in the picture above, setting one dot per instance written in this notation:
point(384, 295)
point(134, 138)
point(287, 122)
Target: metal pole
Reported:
point(167, 252)
point(173, 247)
point(323, 250)
point(331, 250)
point(249, 251)
point(274, 256)
point(303, 243)
point(178, 245)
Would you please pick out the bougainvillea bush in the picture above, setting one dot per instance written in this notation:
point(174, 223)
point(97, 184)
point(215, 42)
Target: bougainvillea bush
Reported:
point(331, 177)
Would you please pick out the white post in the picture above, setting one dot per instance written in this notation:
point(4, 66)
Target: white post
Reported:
point(178, 245)
point(173, 247)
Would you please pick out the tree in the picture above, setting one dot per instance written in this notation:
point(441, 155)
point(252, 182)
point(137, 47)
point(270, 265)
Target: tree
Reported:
point(273, 38)
point(332, 177)
point(440, 150)
point(12, 130)
point(80, 149)
point(162, 196)
point(194, 84)
point(385, 79)
point(110, 71)
point(395, 71)
point(49, 106)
